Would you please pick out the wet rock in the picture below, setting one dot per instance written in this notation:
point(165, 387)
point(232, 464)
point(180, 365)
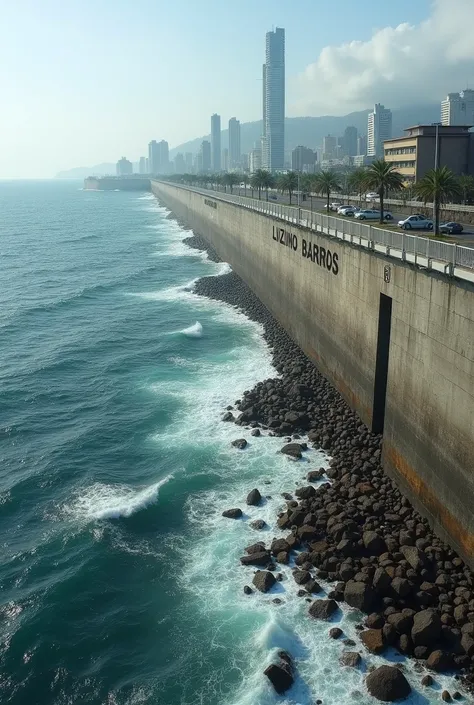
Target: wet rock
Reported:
point(335, 633)
point(373, 640)
point(280, 676)
point(313, 587)
point(228, 416)
point(388, 684)
point(248, 590)
point(350, 658)
point(259, 559)
point(315, 475)
point(293, 450)
point(256, 432)
point(301, 576)
point(258, 524)
point(264, 580)
point(446, 696)
point(427, 680)
point(255, 547)
point(232, 513)
point(323, 609)
point(305, 492)
point(239, 443)
point(254, 498)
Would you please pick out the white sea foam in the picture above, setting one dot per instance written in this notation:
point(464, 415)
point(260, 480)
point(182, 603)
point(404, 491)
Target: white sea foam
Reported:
point(194, 331)
point(101, 501)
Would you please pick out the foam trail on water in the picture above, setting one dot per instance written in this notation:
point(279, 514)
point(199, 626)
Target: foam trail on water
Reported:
point(194, 331)
point(223, 268)
point(102, 501)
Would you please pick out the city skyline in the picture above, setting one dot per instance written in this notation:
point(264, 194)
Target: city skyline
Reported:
point(61, 111)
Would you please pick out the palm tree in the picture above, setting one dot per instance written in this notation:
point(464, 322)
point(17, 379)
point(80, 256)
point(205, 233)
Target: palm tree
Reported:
point(466, 186)
point(267, 180)
point(326, 182)
point(308, 185)
point(382, 177)
point(288, 182)
point(356, 182)
point(261, 179)
point(438, 185)
point(230, 180)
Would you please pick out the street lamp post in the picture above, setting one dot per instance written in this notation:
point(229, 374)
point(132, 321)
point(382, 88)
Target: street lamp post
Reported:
point(436, 166)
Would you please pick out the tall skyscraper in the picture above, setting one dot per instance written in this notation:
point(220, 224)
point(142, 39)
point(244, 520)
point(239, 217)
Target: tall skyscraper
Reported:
point(153, 157)
point(234, 143)
point(458, 108)
point(216, 142)
point(124, 167)
point(329, 147)
point(163, 157)
point(142, 165)
point(303, 159)
point(188, 158)
point(274, 104)
point(225, 159)
point(179, 164)
point(379, 129)
point(205, 155)
point(362, 145)
point(350, 141)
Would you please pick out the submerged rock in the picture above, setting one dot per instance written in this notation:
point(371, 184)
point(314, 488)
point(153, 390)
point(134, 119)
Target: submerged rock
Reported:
point(232, 513)
point(239, 443)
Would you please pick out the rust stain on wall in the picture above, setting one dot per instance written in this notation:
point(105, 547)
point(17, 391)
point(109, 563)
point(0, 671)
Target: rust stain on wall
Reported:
point(427, 497)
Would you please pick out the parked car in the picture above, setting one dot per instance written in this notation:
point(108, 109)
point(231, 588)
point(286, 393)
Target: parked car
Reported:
point(335, 206)
point(368, 214)
point(451, 228)
point(348, 210)
point(372, 196)
point(416, 222)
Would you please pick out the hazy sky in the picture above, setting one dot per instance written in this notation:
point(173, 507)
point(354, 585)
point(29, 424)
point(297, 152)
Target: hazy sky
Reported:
point(86, 81)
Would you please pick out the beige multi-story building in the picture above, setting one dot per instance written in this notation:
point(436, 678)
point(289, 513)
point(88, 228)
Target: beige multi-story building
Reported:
point(415, 154)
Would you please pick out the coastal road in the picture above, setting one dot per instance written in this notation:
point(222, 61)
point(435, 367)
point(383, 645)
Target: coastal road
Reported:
point(319, 204)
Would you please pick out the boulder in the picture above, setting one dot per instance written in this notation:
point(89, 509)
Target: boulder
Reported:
point(467, 643)
point(301, 577)
point(280, 676)
point(261, 559)
point(228, 416)
point(374, 543)
point(312, 586)
point(359, 595)
point(254, 498)
point(279, 545)
point(387, 683)
point(381, 581)
point(232, 513)
point(255, 432)
point(323, 609)
point(426, 628)
point(416, 558)
point(293, 450)
point(255, 547)
point(373, 640)
point(401, 587)
point(315, 475)
point(305, 492)
point(248, 590)
point(402, 622)
point(446, 696)
point(335, 633)
point(439, 661)
point(264, 580)
point(427, 680)
point(258, 524)
point(350, 658)
point(239, 443)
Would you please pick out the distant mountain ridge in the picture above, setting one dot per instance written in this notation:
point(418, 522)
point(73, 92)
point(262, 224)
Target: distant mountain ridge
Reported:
point(308, 131)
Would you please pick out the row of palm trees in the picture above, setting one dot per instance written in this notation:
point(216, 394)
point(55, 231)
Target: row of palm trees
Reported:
point(439, 185)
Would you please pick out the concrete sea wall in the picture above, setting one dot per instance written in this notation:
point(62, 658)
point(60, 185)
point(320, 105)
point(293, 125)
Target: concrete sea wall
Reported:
point(397, 342)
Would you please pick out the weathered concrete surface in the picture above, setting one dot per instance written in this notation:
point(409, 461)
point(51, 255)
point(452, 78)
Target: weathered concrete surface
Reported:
point(330, 306)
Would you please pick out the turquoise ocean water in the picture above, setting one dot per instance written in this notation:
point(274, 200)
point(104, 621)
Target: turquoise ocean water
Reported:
point(119, 579)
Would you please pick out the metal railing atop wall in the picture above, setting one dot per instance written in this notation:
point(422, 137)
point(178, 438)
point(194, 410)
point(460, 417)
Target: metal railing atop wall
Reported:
point(433, 254)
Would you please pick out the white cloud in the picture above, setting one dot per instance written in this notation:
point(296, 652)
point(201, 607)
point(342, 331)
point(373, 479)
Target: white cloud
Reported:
point(398, 66)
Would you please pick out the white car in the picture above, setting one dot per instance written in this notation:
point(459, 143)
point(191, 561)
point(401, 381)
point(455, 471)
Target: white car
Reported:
point(416, 222)
point(335, 206)
point(372, 196)
point(369, 214)
point(348, 210)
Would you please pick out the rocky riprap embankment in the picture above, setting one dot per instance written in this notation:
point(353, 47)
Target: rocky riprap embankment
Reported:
point(358, 531)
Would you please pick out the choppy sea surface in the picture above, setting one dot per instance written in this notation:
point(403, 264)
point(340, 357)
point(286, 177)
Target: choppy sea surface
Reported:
point(120, 581)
